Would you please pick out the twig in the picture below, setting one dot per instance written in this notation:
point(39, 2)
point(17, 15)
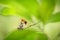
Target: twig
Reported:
point(31, 25)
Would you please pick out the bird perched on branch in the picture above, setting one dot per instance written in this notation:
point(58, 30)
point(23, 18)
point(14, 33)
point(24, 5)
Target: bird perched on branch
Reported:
point(22, 23)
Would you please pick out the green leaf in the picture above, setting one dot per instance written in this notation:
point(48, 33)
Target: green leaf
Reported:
point(23, 8)
point(42, 9)
point(4, 1)
point(55, 17)
point(27, 7)
point(26, 35)
point(46, 7)
point(52, 29)
point(58, 2)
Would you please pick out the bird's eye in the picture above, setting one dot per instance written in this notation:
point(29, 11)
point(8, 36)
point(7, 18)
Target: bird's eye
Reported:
point(25, 22)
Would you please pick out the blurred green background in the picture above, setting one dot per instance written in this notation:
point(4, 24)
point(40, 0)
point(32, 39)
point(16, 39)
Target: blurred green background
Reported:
point(46, 13)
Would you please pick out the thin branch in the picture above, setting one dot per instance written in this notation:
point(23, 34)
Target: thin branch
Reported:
point(32, 25)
